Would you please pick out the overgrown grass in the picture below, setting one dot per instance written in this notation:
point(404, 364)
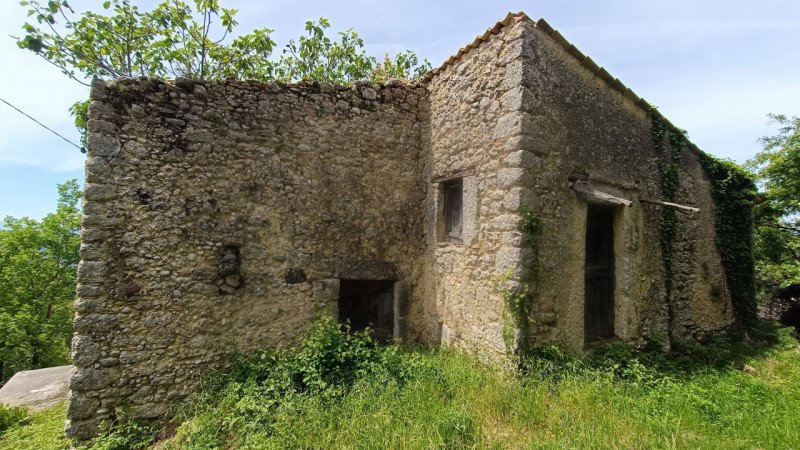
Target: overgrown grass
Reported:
point(343, 391)
point(41, 430)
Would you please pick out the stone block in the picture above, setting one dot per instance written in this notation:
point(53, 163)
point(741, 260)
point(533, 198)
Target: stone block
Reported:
point(91, 379)
point(98, 89)
point(508, 260)
point(89, 290)
point(98, 192)
point(518, 98)
point(98, 220)
point(89, 305)
point(97, 170)
point(149, 410)
point(89, 251)
point(81, 407)
point(94, 323)
point(506, 222)
point(512, 177)
point(530, 143)
point(92, 272)
point(85, 351)
point(82, 430)
point(515, 73)
point(517, 199)
point(326, 290)
point(508, 125)
point(514, 50)
point(524, 159)
point(101, 126)
point(98, 144)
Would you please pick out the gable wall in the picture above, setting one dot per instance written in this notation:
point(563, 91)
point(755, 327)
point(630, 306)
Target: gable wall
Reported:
point(574, 122)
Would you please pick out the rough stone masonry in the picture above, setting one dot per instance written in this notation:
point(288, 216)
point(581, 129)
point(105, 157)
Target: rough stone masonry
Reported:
point(229, 215)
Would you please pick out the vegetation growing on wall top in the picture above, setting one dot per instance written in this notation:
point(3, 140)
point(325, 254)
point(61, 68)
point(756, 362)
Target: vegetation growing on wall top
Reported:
point(195, 40)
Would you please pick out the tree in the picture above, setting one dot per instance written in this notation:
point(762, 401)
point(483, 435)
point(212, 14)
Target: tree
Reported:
point(38, 263)
point(778, 212)
point(176, 39)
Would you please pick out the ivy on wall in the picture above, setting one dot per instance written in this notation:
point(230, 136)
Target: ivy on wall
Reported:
point(519, 302)
point(733, 190)
point(669, 145)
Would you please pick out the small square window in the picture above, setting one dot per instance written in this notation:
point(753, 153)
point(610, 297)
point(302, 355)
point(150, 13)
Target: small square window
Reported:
point(452, 191)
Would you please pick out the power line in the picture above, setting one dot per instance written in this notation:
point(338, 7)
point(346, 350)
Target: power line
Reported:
point(83, 150)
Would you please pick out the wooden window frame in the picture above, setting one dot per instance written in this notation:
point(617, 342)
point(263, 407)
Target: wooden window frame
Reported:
point(452, 210)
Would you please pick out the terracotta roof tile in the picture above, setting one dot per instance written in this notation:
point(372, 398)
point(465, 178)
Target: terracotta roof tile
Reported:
point(613, 83)
point(487, 35)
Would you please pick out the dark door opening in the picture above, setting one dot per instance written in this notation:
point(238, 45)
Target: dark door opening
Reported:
point(368, 303)
point(598, 316)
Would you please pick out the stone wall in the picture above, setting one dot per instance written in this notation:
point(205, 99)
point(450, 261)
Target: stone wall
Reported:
point(220, 217)
point(574, 122)
point(475, 127)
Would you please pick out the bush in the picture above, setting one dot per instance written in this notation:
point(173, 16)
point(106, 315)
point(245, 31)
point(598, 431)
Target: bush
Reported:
point(649, 366)
point(12, 417)
point(126, 435)
point(328, 364)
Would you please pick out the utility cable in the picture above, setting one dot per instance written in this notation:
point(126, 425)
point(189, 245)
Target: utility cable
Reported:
point(83, 150)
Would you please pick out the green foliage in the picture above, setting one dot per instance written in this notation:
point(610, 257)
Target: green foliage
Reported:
point(778, 166)
point(80, 113)
point(617, 396)
point(777, 239)
point(126, 434)
point(649, 364)
point(11, 417)
point(519, 301)
point(178, 39)
point(174, 38)
point(669, 145)
point(734, 191)
point(38, 263)
point(329, 364)
point(41, 430)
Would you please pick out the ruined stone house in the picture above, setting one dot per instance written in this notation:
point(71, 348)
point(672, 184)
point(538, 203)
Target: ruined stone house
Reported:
point(224, 215)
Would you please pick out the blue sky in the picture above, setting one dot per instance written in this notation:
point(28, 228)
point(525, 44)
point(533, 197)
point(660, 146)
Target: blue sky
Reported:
point(713, 67)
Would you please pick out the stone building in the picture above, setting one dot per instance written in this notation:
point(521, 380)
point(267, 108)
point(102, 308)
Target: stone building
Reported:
point(513, 197)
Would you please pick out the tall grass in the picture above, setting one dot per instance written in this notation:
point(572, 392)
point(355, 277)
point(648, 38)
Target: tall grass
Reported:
point(392, 398)
point(341, 390)
point(37, 431)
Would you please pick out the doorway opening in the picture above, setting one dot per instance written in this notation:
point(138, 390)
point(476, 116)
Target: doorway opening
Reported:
point(368, 303)
point(599, 274)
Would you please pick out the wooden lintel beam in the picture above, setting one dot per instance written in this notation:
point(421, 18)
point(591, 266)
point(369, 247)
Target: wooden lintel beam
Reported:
point(602, 196)
point(670, 205)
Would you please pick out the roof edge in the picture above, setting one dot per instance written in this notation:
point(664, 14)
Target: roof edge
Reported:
point(509, 19)
point(585, 61)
